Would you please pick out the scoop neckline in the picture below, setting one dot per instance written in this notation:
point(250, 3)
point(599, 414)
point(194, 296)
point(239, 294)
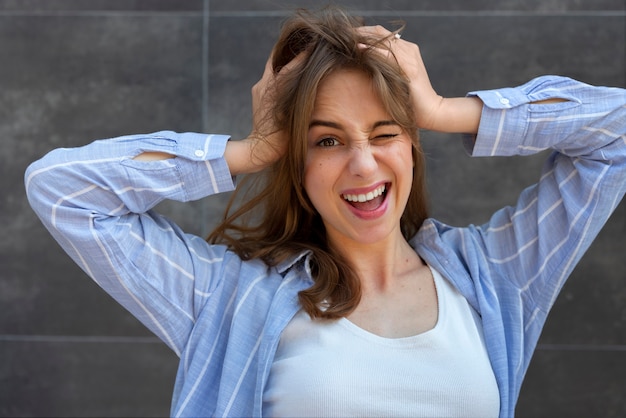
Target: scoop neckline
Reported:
point(411, 339)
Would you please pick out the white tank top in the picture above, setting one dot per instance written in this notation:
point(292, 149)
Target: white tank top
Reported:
point(337, 369)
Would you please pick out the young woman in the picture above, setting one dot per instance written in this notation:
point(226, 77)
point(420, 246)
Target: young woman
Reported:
point(343, 298)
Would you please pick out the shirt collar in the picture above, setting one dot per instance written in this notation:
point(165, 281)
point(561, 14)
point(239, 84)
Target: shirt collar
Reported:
point(289, 262)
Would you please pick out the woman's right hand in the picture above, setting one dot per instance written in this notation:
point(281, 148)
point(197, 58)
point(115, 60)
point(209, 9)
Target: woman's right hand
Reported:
point(266, 143)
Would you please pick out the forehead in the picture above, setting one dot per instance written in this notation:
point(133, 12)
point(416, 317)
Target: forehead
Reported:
point(347, 92)
point(342, 80)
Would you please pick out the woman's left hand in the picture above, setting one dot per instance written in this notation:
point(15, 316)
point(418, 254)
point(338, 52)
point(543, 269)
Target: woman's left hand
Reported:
point(432, 111)
point(407, 54)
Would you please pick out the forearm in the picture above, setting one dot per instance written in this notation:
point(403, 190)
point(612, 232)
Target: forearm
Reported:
point(241, 157)
point(551, 112)
point(121, 175)
point(462, 114)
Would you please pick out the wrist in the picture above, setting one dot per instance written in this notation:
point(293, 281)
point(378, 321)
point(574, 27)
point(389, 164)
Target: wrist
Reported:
point(238, 157)
point(456, 115)
point(250, 155)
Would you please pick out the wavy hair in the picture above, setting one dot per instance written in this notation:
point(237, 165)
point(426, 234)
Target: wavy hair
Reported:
point(278, 220)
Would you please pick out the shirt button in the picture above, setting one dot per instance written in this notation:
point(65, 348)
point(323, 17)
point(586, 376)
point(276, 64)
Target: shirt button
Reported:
point(504, 101)
point(199, 153)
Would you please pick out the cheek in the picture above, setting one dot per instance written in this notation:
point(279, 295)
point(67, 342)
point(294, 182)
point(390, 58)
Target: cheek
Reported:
point(313, 175)
point(317, 179)
point(407, 155)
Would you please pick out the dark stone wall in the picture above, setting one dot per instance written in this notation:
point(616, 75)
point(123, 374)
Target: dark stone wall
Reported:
point(72, 71)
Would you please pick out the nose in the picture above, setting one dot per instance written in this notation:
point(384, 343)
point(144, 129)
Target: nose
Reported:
point(362, 162)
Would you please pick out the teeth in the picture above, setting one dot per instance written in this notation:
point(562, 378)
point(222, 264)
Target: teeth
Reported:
point(365, 197)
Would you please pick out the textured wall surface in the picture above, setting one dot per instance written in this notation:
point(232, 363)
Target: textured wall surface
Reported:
point(72, 71)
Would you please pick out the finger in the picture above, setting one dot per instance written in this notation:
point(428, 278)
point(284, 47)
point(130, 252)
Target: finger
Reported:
point(268, 67)
point(270, 75)
point(296, 61)
point(375, 31)
point(378, 33)
point(391, 45)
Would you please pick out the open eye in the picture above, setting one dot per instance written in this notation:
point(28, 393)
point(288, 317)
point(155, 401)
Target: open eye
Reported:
point(328, 142)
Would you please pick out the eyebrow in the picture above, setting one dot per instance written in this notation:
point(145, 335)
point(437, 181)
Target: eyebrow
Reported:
point(317, 122)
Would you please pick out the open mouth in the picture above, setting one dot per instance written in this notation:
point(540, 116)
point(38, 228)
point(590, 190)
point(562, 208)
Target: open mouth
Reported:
point(367, 201)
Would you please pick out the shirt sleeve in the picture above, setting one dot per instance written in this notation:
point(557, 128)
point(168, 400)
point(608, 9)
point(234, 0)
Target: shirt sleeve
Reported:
point(96, 201)
point(536, 244)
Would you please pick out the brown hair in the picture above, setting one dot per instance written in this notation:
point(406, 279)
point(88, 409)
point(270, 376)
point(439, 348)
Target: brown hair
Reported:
point(288, 223)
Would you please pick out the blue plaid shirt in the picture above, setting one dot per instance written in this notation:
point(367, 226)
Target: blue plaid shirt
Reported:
point(224, 316)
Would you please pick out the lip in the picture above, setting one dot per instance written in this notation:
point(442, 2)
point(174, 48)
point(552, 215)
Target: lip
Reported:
point(368, 214)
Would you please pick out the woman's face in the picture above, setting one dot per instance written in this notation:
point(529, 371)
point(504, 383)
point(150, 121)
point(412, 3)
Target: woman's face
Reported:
point(359, 165)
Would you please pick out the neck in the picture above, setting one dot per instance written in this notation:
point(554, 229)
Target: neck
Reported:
point(379, 265)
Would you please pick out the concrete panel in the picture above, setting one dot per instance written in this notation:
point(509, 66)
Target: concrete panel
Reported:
point(73, 71)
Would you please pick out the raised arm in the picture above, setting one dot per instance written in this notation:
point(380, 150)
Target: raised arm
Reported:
point(536, 243)
point(96, 201)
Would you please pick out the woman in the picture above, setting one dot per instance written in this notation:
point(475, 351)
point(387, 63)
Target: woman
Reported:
point(344, 298)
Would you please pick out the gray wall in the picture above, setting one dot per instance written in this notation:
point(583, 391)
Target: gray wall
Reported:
point(72, 71)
